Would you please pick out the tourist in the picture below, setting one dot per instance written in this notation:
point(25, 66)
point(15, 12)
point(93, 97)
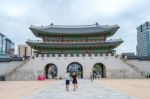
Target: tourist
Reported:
point(95, 75)
point(67, 78)
point(74, 77)
point(91, 76)
point(52, 73)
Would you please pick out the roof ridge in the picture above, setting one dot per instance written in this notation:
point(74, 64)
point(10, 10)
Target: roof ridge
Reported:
point(75, 26)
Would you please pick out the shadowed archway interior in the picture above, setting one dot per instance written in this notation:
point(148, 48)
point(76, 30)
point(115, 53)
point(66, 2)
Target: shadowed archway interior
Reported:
point(51, 71)
point(76, 67)
point(99, 70)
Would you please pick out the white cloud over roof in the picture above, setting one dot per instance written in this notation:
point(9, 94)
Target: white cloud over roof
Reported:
point(17, 15)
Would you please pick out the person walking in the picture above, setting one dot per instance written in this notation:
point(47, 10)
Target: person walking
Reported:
point(91, 76)
point(67, 78)
point(74, 77)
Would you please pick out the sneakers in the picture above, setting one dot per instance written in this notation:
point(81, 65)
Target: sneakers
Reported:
point(67, 89)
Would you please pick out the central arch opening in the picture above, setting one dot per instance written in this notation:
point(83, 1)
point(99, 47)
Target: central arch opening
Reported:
point(75, 67)
point(51, 71)
point(99, 70)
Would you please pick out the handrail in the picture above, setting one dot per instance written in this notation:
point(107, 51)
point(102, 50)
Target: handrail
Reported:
point(16, 68)
point(134, 67)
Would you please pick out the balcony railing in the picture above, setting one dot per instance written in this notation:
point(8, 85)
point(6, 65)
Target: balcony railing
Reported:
point(40, 41)
point(75, 55)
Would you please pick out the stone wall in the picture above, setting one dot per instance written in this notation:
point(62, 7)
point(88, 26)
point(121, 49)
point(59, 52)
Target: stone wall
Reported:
point(6, 67)
point(115, 68)
point(142, 64)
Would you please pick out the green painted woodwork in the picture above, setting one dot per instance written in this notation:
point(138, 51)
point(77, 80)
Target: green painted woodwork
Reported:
point(71, 38)
point(74, 50)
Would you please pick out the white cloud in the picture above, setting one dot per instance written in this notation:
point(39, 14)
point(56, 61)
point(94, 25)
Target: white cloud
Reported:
point(13, 10)
point(17, 15)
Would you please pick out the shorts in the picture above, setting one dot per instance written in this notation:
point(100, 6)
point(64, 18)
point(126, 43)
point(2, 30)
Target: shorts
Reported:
point(74, 81)
point(67, 82)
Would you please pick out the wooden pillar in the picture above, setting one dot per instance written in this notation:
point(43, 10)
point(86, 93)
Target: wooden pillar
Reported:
point(104, 37)
point(86, 39)
point(62, 38)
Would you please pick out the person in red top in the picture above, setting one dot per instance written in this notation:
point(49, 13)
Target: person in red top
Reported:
point(75, 82)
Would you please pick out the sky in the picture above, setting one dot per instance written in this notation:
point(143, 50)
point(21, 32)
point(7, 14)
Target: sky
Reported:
point(16, 16)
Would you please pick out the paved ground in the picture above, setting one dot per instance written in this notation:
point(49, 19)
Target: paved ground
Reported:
point(87, 90)
point(18, 89)
point(135, 87)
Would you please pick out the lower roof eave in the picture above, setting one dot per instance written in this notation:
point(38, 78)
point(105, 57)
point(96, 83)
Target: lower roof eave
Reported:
point(74, 45)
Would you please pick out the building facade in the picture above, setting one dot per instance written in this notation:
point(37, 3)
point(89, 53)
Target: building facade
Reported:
point(25, 51)
point(1, 43)
point(6, 46)
point(83, 49)
point(143, 40)
point(74, 41)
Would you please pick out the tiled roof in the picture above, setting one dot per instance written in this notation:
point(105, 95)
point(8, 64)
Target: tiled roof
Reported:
point(75, 44)
point(74, 29)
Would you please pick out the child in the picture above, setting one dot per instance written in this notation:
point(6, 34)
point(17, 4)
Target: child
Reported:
point(67, 77)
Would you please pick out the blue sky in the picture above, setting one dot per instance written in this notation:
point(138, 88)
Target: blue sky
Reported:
point(17, 15)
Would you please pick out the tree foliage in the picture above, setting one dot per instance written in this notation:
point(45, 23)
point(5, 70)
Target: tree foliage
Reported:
point(97, 68)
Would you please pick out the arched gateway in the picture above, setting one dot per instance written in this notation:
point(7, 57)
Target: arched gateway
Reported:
point(51, 71)
point(77, 67)
point(99, 70)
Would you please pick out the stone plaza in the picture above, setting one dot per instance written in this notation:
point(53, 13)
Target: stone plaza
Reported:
point(87, 90)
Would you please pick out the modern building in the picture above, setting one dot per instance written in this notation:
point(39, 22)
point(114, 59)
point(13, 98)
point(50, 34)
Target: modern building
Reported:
point(143, 40)
point(25, 51)
point(6, 46)
point(1, 43)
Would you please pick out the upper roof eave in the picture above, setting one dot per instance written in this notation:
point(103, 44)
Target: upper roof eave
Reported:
point(74, 30)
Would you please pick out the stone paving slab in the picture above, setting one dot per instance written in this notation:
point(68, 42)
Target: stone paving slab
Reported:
point(87, 90)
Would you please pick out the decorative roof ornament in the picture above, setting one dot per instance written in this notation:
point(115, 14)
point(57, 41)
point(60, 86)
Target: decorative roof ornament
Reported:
point(96, 23)
point(51, 24)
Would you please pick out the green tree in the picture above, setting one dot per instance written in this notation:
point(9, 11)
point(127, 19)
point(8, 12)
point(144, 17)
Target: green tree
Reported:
point(97, 68)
